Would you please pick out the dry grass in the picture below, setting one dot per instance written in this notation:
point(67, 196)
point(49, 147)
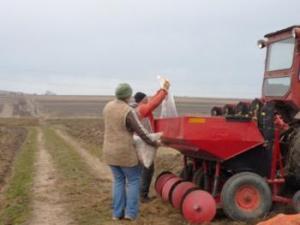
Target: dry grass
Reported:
point(15, 205)
point(11, 138)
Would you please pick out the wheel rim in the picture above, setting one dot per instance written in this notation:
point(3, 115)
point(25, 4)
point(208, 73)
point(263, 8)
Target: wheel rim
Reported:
point(247, 198)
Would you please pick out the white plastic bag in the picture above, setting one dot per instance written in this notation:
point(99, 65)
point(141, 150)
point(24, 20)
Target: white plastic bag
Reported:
point(168, 106)
point(146, 153)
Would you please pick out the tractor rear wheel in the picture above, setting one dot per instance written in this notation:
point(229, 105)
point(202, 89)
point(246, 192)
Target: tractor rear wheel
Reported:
point(293, 162)
point(246, 196)
point(296, 201)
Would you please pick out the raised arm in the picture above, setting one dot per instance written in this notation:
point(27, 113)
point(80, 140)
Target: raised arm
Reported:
point(152, 104)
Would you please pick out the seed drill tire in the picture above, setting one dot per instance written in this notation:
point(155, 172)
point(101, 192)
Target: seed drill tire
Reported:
point(246, 196)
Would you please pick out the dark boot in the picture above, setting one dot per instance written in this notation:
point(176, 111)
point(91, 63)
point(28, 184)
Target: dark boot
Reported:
point(147, 174)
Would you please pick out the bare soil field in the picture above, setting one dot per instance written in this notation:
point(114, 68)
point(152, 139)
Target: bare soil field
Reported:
point(58, 106)
point(92, 106)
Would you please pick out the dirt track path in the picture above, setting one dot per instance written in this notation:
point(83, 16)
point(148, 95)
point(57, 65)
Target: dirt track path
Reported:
point(47, 206)
point(99, 169)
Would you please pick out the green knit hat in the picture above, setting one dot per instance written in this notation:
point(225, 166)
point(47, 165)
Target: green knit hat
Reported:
point(123, 91)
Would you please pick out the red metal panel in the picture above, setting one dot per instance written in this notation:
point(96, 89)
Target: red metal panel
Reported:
point(215, 136)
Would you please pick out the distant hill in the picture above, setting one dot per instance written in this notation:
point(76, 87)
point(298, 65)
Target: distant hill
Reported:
point(50, 105)
point(2, 92)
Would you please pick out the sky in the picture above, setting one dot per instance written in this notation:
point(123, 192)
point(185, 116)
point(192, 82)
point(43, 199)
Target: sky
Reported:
point(206, 48)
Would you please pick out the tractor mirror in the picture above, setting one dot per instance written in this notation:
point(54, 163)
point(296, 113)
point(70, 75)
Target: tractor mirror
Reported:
point(296, 32)
point(261, 43)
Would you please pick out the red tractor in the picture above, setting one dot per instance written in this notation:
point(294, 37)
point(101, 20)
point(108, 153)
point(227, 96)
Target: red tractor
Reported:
point(246, 156)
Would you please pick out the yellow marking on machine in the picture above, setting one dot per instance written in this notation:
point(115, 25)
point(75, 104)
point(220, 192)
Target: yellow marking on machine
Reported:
point(196, 120)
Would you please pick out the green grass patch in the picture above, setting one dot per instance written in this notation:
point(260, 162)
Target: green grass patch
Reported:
point(88, 199)
point(15, 208)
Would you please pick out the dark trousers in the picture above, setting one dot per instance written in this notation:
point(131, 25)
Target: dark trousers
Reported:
point(147, 174)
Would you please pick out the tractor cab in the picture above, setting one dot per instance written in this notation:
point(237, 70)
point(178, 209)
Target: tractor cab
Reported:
point(282, 69)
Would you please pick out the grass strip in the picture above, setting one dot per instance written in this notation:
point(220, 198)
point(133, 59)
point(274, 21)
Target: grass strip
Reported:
point(16, 206)
point(88, 199)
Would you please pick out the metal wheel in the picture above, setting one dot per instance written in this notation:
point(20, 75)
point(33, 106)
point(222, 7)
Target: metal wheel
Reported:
point(161, 179)
point(178, 192)
point(198, 207)
point(168, 186)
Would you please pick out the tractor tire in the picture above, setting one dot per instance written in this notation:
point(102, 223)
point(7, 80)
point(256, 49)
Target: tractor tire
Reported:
point(292, 165)
point(187, 172)
point(296, 202)
point(246, 196)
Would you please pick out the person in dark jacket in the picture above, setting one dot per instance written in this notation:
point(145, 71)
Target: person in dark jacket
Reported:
point(121, 122)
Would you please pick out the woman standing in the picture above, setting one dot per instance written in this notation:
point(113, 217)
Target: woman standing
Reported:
point(121, 122)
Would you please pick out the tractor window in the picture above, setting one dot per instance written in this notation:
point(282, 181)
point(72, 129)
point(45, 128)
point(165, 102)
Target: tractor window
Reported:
point(276, 86)
point(280, 54)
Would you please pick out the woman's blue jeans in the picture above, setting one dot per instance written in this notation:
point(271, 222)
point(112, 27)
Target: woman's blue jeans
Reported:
point(126, 191)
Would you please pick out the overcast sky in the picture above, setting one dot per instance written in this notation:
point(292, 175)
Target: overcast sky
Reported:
point(204, 47)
